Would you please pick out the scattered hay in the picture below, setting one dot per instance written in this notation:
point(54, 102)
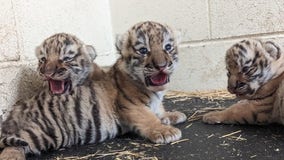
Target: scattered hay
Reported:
point(232, 137)
point(146, 145)
point(230, 134)
point(118, 154)
point(197, 115)
point(253, 156)
point(211, 95)
point(188, 126)
point(182, 140)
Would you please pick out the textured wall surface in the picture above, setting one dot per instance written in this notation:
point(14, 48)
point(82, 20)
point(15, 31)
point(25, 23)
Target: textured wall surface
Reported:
point(207, 28)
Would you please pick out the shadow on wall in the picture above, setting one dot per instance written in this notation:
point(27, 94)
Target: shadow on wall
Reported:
point(26, 83)
point(30, 83)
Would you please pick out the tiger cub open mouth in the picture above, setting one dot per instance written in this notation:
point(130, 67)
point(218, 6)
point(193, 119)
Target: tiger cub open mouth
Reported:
point(59, 86)
point(158, 79)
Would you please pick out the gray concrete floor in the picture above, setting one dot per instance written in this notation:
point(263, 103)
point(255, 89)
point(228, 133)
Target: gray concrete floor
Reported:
point(200, 141)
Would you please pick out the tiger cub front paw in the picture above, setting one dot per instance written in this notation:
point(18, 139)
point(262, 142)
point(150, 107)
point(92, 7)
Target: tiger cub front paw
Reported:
point(12, 153)
point(213, 117)
point(164, 134)
point(173, 118)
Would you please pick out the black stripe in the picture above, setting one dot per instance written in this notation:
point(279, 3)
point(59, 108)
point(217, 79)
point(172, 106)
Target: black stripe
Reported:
point(247, 62)
point(34, 138)
point(261, 65)
point(46, 143)
point(254, 116)
point(96, 118)
point(82, 63)
point(248, 43)
point(266, 96)
point(39, 124)
point(119, 105)
point(136, 129)
point(79, 139)
point(265, 63)
point(43, 96)
point(144, 92)
point(50, 131)
point(119, 129)
point(4, 141)
point(156, 95)
point(278, 49)
point(243, 48)
point(122, 91)
point(245, 120)
point(142, 100)
point(89, 132)
point(19, 142)
point(93, 97)
point(55, 118)
point(76, 70)
point(241, 54)
point(63, 112)
point(255, 57)
point(24, 107)
point(75, 135)
point(12, 140)
point(77, 108)
point(67, 129)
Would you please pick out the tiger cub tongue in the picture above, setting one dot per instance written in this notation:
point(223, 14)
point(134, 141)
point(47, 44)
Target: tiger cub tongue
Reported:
point(159, 79)
point(56, 87)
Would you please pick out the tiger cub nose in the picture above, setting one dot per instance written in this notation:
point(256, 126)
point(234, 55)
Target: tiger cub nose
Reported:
point(49, 69)
point(161, 66)
point(240, 84)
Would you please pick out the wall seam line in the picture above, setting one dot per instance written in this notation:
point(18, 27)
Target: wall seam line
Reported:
point(215, 40)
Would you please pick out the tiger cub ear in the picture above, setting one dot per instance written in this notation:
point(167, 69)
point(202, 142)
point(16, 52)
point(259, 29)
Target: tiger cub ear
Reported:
point(37, 51)
point(91, 51)
point(119, 40)
point(272, 49)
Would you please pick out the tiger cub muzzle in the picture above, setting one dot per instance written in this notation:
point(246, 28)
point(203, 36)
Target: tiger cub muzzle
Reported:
point(160, 77)
point(157, 79)
point(58, 80)
point(59, 86)
point(239, 88)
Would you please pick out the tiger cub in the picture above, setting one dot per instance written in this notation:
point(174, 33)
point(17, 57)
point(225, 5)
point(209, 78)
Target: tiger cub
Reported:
point(70, 110)
point(255, 74)
point(148, 57)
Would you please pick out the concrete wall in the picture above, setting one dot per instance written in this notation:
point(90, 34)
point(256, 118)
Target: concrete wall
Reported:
point(24, 24)
point(208, 28)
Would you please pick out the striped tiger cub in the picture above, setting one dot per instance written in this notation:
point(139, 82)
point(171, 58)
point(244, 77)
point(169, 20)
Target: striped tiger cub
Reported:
point(70, 110)
point(83, 104)
point(148, 57)
point(255, 74)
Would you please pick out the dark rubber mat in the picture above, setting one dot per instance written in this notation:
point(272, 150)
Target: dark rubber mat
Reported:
point(200, 141)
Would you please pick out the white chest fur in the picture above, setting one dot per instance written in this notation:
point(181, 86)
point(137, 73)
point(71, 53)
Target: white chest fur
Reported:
point(156, 102)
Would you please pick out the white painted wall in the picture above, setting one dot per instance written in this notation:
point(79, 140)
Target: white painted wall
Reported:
point(208, 28)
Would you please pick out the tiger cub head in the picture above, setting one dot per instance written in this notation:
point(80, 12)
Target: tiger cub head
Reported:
point(251, 64)
point(64, 62)
point(149, 54)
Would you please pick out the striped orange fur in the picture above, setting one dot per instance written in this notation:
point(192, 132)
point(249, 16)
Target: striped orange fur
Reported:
point(255, 75)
